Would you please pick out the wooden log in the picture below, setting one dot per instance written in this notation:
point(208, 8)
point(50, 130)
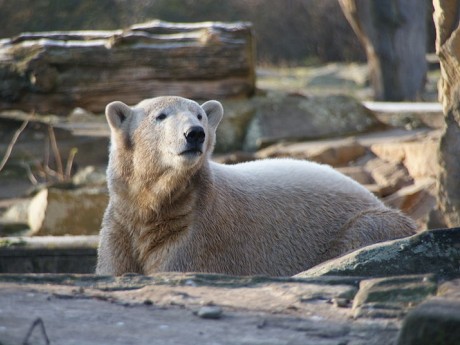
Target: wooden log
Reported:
point(53, 72)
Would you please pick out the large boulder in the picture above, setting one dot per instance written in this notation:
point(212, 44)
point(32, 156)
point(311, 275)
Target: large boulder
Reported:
point(294, 118)
point(431, 251)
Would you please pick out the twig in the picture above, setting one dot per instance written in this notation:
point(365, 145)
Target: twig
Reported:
point(38, 322)
point(30, 174)
point(9, 149)
point(68, 168)
point(57, 155)
point(46, 159)
point(50, 172)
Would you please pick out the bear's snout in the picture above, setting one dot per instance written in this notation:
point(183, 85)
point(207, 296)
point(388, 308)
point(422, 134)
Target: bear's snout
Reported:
point(195, 135)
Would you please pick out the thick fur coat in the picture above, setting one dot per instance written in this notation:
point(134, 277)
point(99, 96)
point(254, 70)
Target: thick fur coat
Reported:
point(172, 209)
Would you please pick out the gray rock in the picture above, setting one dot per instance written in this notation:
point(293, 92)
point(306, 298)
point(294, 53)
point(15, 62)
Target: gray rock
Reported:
point(210, 312)
point(434, 322)
point(391, 297)
point(48, 254)
point(389, 175)
point(232, 130)
point(287, 117)
point(431, 251)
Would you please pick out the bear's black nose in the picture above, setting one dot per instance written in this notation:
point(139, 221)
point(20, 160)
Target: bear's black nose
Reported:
point(195, 135)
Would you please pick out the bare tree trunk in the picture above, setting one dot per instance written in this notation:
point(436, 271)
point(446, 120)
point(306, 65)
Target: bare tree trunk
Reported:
point(446, 18)
point(393, 33)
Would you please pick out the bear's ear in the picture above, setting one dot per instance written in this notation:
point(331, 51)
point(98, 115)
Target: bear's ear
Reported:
point(214, 111)
point(116, 113)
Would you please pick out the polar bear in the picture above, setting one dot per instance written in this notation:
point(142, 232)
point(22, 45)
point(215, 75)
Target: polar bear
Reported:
point(173, 209)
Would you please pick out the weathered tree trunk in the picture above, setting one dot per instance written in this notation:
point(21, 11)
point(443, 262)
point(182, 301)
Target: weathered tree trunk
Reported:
point(56, 71)
point(393, 33)
point(447, 18)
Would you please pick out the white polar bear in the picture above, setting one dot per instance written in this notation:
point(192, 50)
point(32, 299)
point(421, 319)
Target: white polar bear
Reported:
point(172, 209)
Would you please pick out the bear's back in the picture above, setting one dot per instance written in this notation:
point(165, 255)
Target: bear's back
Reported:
point(291, 176)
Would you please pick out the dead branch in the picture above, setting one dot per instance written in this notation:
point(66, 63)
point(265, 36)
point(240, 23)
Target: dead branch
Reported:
point(70, 159)
point(56, 153)
point(9, 149)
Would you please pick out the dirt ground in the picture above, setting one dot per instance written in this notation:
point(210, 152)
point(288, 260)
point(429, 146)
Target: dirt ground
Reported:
point(266, 313)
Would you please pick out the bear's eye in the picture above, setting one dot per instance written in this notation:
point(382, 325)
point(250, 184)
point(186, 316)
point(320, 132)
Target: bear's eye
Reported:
point(199, 116)
point(161, 116)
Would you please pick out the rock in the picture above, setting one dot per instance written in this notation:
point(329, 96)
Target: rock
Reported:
point(416, 200)
point(434, 322)
point(90, 176)
point(419, 158)
point(17, 212)
point(233, 127)
point(450, 289)
point(409, 115)
point(357, 173)
point(288, 117)
point(67, 212)
point(431, 251)
point(334, 152)
point(340, 302)
point(13, 228)
point(389, 176)
point(58, 71)
point(391, 296)
point(333, 75)
point(13, 221)
point(375, 189)
point(48, 254)
point(234, 158)
point(210, 312)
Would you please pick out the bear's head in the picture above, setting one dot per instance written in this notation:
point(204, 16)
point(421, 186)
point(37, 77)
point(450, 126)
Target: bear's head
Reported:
point(163, 134)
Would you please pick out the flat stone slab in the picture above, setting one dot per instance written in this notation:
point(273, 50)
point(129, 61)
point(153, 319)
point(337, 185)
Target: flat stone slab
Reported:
point(48, 254)
point(165, 309)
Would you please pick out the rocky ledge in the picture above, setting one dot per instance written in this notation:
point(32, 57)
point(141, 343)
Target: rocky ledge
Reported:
point(404, 291)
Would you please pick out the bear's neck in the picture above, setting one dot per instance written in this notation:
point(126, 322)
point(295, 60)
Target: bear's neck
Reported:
point(159, 207)
point(164, 219)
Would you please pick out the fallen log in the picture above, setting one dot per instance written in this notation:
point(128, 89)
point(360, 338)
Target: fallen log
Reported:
point(53, 72)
